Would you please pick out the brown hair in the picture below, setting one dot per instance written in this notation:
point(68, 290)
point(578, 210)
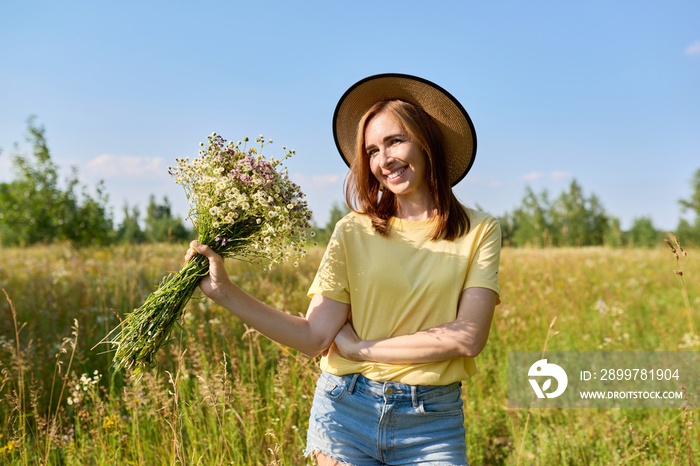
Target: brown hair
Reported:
point(362, 190)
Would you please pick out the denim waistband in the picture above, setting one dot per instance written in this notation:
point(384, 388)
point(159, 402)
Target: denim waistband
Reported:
point(397, 391)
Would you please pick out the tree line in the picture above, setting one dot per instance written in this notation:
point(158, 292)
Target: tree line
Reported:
point(573, 219)
point(36, 207)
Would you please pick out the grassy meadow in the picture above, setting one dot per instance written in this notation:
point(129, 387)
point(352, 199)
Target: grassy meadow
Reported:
point(223, 394)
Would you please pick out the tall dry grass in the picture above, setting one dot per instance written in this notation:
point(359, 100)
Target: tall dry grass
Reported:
point(226, 395)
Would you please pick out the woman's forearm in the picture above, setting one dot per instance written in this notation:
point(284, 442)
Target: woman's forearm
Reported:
point(287, 329)
point(440, 343)
point(466, 336)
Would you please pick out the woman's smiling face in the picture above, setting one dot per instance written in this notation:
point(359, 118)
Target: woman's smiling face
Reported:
point(395, 159)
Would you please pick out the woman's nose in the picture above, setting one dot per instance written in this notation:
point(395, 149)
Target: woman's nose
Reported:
point(385, 158)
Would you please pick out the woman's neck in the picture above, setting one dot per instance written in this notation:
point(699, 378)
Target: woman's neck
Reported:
point(415, 209)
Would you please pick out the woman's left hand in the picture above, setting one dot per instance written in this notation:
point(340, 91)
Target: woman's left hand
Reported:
point(348, 343)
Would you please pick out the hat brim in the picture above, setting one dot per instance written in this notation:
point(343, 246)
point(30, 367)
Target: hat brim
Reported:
point(454, 121)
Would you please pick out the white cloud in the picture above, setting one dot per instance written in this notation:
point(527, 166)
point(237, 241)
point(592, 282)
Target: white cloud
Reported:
point(125, 166)
point(693, 48)
point(560, 175)
point(532, 176)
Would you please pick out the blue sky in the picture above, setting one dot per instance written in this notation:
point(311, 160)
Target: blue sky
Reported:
point(604, 92)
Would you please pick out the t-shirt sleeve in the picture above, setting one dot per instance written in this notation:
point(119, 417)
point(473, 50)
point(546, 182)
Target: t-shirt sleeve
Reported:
point(483, 268)
point(331, 278)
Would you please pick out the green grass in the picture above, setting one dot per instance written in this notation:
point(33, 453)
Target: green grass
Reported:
point(223, 394)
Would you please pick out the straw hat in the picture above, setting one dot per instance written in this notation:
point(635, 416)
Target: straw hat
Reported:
point(454, 122)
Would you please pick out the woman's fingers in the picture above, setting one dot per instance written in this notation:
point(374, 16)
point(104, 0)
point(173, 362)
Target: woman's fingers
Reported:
point(203, 249)
point(192, 251)
point(197, 248)
point(215, 260)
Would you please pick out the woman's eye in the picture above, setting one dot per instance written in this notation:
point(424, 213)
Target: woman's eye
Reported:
point(371, 152)
point(396, 141)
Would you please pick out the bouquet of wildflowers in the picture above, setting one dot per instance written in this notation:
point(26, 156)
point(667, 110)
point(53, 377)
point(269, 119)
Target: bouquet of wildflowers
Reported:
point(243, 205)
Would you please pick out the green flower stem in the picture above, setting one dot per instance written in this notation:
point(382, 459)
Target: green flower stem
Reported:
point(146, 329)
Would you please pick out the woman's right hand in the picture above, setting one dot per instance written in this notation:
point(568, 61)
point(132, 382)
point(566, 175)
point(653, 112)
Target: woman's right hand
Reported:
point(214, 284)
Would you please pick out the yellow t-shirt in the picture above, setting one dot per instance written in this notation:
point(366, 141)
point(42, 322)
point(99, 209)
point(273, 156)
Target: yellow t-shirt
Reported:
point(403, 283)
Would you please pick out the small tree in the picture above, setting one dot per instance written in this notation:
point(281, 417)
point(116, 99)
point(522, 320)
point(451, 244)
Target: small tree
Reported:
point(693, 203)
point(529, 224)
point(580, 221)
point(570, 220)
point(35, 208)
point(161, 225)
point(643, 234)
point(129, 230)
point(689, 231)
point(614, 236)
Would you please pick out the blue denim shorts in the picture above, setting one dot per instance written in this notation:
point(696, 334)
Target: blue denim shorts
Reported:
point(360, 422)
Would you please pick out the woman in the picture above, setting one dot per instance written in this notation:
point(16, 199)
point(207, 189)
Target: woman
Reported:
point(405, 294)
